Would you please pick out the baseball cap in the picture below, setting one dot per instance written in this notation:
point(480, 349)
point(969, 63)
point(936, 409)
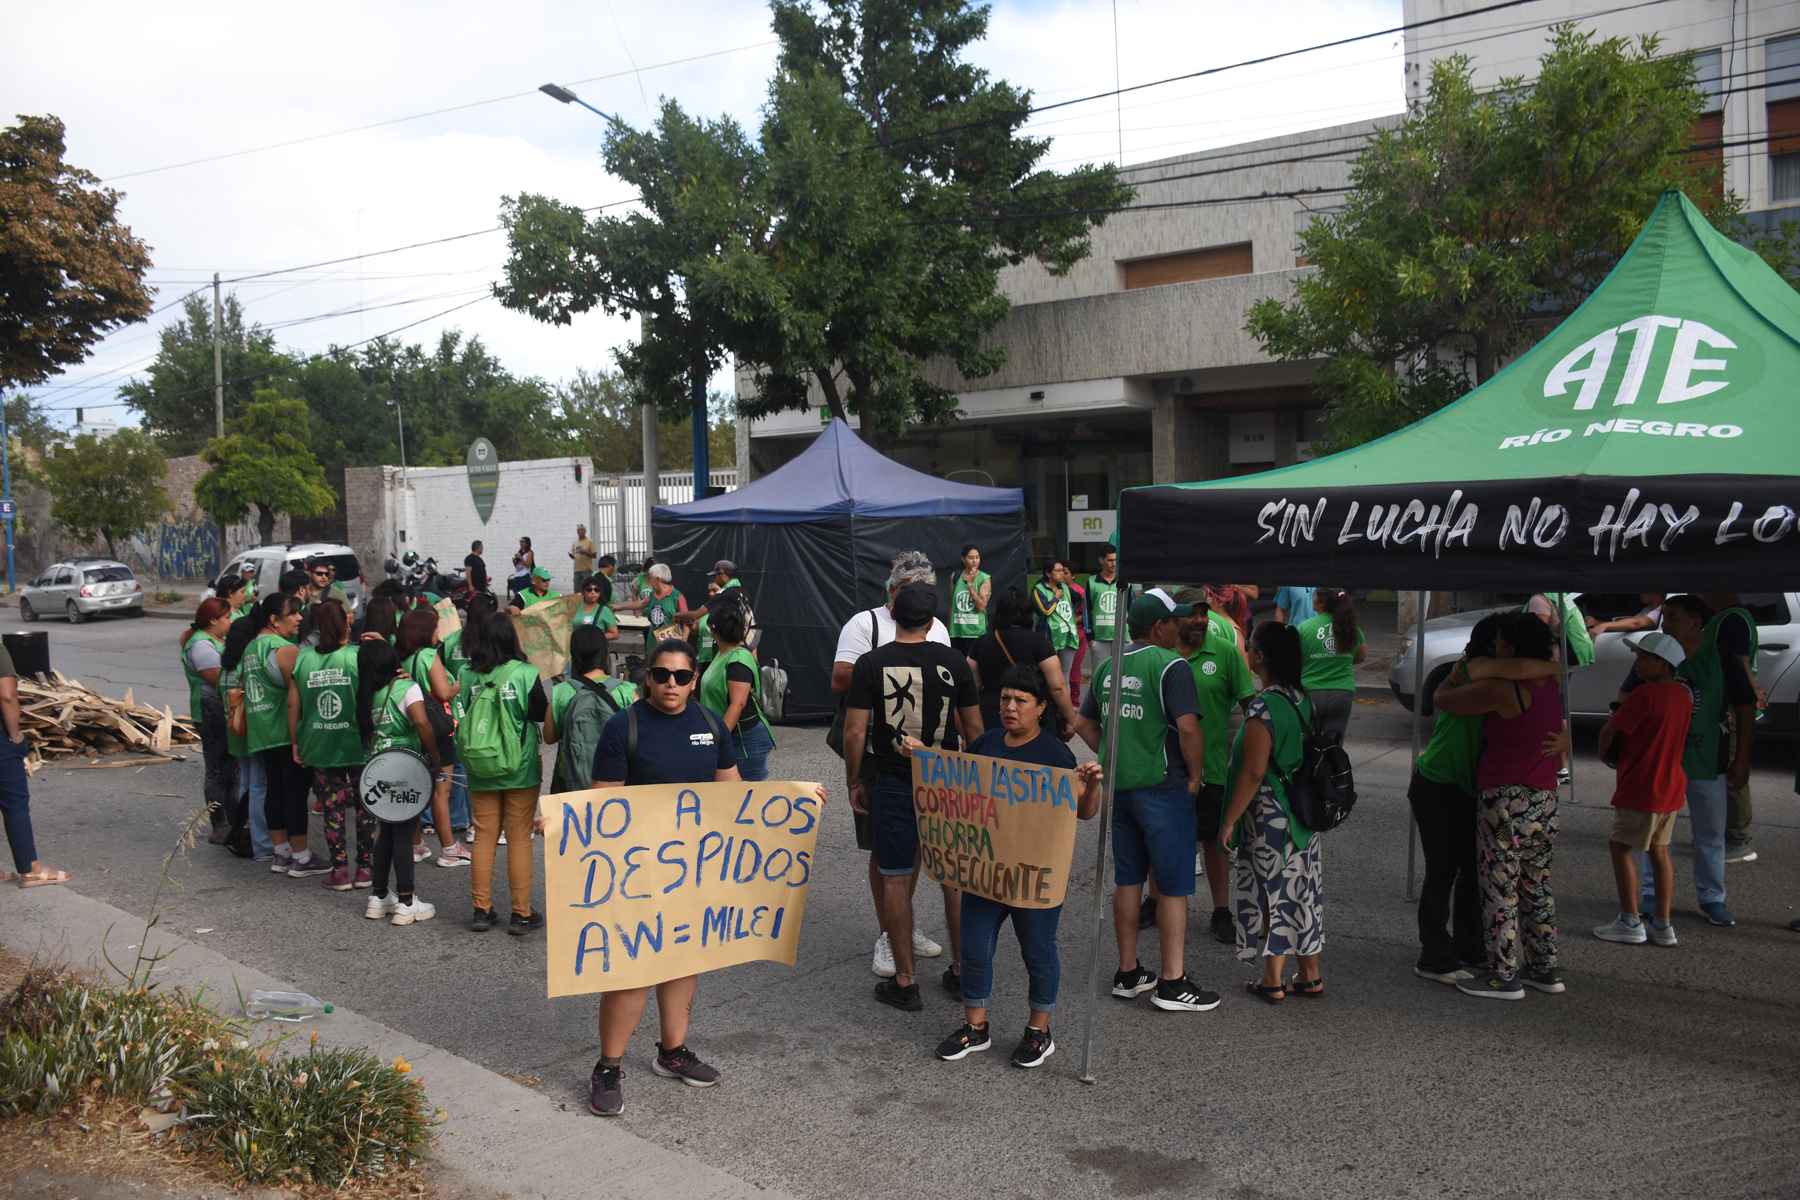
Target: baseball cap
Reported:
point(1153, 606)
point(1192, 595)
point(1660, 644)
point(725, 565)
point(540, 572)
point(914, 605)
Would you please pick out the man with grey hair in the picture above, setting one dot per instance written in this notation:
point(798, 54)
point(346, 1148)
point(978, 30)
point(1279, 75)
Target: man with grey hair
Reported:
point(861, 634)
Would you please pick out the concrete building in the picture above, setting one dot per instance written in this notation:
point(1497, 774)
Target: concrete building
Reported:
point(1135, 367)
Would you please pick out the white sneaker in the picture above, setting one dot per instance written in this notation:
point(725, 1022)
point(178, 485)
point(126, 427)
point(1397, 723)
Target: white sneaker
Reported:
point(1199, 863)
point(418, 910)
point(884, 958)
point(924, 947)
point(501, 840)
point(381, 906)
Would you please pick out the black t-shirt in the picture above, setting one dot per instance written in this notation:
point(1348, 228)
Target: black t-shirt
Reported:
point(741, 672)
point(671, 749)
point(910, 688)
point(1044, 750)
point(1028, 648)
point(477, 572)
point(1733, 635)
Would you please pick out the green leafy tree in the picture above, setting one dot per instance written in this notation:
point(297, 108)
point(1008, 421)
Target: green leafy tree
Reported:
point(70, 272)
point(175, 397)
point(268, 466)
point(603, 418)
point(106, 488)
point(1480, 222)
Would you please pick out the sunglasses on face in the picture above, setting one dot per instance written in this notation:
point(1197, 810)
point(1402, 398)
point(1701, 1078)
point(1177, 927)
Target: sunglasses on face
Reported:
point(682, 677)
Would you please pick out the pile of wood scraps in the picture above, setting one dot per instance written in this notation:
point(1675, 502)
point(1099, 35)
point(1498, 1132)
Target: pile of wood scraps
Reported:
point(64, 719)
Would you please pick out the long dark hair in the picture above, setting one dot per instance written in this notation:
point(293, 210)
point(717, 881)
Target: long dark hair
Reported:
point(1529, 637)
point(273, 607)
point(1010, 610)
point(1280, 646)
point(1337, 602)
point(1481, 638)
point(382, 616)
point(417, 628)
point(496, 642)
point(376, 666)
point(587, 649)
point(243, 632)
point(332, 624)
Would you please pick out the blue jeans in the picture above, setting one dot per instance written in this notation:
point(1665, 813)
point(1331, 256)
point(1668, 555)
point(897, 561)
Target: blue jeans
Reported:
point(15, 804)
point(460, 816)
point(1036, 931)
point(1707, 807)
point(255, 784)
point(752, 748)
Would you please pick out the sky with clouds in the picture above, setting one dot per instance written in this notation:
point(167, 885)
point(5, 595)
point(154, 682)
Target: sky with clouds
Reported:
point(151, 92)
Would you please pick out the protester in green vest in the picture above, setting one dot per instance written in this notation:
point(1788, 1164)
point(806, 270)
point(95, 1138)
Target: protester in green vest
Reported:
point(1103, 608)
point(1566, 621)
point(201, 647)
point(593, 611)
point(587, 661)
point(249, 835)
point(231, 589)
point(969, 597)
point(1056, 614)
point(1159, 772)
point(390, 711)
point(268, 673)
point(724, 578)
point(662, 603)
point(536, 592)
point(321, 705)
point(1276, 883)
point(455, 657)
point(416, 644)
point(1733, 630)
point(731, 687)
point(1332, 646)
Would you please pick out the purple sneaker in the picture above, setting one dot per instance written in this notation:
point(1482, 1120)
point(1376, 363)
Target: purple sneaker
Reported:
point(606, 1095)
point(338, 880)
point(365, 877)
point(683, 1064)
point(312, 866)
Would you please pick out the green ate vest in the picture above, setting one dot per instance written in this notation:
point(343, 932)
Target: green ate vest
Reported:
point(265, 699)
point(965, 620)
point(1061, 618)
point(236, 744)
point(1700, 759)
point(392, 726)
point(523, 679)
point(327, 732)
point(1287, 752)
point(703, 633)
point(1712, 632)
point(193, 676)
point(1143, 734)
point(715, 689)
point(1104, 599)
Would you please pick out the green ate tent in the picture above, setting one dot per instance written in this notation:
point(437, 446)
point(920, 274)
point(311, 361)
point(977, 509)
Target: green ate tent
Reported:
point(1651, 442)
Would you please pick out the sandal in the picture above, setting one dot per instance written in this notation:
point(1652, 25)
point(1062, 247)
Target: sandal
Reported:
point(9, 877)
point(1267, 993)
point(48, 877)
point(1312, 989)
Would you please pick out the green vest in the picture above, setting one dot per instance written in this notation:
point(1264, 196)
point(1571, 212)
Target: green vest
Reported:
point(327, 732)
point(715, 690)
point(1581, 645)
point(965, 620)
point(265, 701)
point(1060, 619)
point(670, 605)
point(1288, 751)
point(1702, 668)
point(237, 744)
point(193, 676)
point(1718, 618)
point(515, 697)
point(1143, 734)
point(703, 634)
point(392, 726)
point(1103, 600)
point(527, 598)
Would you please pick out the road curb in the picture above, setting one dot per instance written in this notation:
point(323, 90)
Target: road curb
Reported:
point(499, 1138)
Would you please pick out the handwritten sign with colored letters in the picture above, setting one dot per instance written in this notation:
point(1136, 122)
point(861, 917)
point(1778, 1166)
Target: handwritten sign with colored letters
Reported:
point(648, 884)
point(543, 631)
point(995, 827)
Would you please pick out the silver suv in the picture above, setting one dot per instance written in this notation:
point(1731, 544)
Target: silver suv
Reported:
point(270, 563)
point(81, 587)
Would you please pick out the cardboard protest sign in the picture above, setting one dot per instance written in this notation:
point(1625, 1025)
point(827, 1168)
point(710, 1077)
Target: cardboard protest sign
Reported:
point(648, 884)
point(544, 633)
point(449, 620)
point(995, 827)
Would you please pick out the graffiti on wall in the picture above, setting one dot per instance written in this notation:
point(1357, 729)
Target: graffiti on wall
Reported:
point(186, 551)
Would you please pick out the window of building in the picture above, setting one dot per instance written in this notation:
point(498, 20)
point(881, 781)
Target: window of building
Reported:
point(1781, 89)
point(1214, 262)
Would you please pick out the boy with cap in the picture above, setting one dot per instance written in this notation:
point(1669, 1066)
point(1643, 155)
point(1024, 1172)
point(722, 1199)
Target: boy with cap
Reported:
point(1158, 776)
point(1652, 786)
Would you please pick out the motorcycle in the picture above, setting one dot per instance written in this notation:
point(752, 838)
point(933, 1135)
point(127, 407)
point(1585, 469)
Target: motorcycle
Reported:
point(421, 579)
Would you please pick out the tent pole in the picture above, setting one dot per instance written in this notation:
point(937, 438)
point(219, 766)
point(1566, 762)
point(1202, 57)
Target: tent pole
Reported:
point(1109, 758)
point(1418, 715)
point(1562, 607)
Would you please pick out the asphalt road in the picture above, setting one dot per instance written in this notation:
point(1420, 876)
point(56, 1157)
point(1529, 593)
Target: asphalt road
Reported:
point(1666, 1072)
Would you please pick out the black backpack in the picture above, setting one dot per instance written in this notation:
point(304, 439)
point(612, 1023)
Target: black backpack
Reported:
point(1322, 796)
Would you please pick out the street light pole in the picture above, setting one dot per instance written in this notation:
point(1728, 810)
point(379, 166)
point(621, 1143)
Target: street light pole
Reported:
point(557, 92)
point(6, 483)
point(702, 436)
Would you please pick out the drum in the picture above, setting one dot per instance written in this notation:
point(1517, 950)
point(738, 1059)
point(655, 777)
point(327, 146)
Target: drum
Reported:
point(396, 785)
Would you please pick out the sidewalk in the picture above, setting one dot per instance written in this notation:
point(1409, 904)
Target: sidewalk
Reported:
point(499, 1139)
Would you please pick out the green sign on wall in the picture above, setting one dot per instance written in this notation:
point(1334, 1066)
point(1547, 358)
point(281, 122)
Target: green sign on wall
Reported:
point(484, 476)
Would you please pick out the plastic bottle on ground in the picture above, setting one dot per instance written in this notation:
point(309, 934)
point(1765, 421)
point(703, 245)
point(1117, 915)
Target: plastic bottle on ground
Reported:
point(283, 1006)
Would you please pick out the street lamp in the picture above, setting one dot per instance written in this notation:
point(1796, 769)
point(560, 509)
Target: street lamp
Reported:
point(557, 92)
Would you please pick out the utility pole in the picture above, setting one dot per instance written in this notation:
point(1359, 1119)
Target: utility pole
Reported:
point(702, 436)
point(218, 367)
point(652, 472)
point(6, 484)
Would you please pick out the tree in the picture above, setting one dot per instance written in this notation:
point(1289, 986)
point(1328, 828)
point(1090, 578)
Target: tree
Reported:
point(106, 488)
point(1481, 221)
point(602, 418)
point(176, 395)
point(268, 466)
point(70, 273)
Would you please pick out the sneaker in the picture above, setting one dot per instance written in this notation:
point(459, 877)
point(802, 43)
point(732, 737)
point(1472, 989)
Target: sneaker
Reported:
point(1545, 981)
point(1224, 929)
point(964, 1042)
point(1033, 1048)
point(1717, 913)
point(364, 877)
point(381, 906)
point(484, 920)
point(1623, 929)
point(884, 958)
point(1739, 854)
point(1563, 777)
point(953, 981)
point(338, 880)
point(306, 870)
point(520, 926)
point(905, 998)
point(1147, 913)
point(1128, 985)
point(1450, 977)
point(1199, 864)
point(683, 1064)
point(501, 840)
point(281, 864)
point(420, 853)
point(1793, 925)
point(605, 1097)
point(924, 947)
point(1183, 995)
point(454, 855)
point(1493, 985)
point(1662, 933)
point(418, 910)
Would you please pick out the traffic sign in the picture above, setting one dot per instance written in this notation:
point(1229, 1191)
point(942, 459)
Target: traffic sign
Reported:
point(7, 508)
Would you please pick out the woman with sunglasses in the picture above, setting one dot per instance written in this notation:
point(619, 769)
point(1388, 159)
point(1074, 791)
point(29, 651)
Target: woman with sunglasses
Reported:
point(594, 610)
point(677, 742)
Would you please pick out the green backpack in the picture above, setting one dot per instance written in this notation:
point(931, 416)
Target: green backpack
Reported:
point(489, 743)
point(592, 706)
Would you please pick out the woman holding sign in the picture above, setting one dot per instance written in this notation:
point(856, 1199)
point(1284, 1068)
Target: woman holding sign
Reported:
point(1022, 737)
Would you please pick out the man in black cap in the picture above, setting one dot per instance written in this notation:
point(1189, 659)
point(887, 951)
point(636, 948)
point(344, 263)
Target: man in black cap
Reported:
point(724, 578)
point(909, 693)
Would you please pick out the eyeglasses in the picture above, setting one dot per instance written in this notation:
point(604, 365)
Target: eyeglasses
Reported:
point(682, 677)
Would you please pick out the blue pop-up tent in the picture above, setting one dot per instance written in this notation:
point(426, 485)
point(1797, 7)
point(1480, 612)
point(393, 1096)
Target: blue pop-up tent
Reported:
point(813, 542)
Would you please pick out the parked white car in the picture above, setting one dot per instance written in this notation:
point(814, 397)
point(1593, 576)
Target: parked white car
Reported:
point(272, 562)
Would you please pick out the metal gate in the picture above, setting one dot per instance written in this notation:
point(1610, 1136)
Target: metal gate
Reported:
point(620, 523)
